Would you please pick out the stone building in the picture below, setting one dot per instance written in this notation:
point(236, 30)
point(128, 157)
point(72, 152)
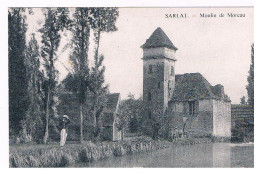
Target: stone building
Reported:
point(107, 121)
point(177, 104)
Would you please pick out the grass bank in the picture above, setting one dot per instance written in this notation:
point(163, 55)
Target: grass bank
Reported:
point(54, 156)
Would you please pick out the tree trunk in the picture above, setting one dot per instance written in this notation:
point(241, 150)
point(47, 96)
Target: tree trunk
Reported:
point(97, 126)
point(46, 136)
point(98, 40)
point(95, 99)
point(95, 120)
point(81, 124)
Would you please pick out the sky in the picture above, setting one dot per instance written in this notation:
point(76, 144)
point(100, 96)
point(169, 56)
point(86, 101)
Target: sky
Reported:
point(218, 47)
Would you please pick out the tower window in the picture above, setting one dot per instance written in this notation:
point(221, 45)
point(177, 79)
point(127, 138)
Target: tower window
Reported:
point(150, 68)
point(172, 71)
point(149, 96)
point(159, 85)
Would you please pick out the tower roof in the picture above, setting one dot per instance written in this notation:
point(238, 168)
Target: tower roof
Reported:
point(159, 39)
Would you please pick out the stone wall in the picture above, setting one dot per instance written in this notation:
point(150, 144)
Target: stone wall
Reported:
point(158, 86)
point(211, 117)
point(176, 116)
point(205, 121)
point(117, 134)
point(157, 52)
point(200, 123)
point(160, 83)
point(151, 80)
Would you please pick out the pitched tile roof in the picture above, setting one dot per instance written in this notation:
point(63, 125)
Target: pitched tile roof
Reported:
point(112, 101)
point(107, 118)
point(159, 39)
point(193, 86)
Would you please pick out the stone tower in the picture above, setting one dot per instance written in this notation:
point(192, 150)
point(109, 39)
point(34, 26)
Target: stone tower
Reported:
point(158, 73)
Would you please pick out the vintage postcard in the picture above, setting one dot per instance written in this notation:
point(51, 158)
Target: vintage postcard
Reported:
point(131, 87)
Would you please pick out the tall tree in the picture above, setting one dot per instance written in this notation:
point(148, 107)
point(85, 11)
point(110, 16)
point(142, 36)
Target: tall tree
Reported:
point(79, 58)
point(56, 20)
point(103, 21)
point(250, 79)
point(18, 100)
point(33, 119)
point(99, 91)
point(243, 100)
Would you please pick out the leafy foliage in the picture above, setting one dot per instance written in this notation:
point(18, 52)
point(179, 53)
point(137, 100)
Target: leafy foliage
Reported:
point(250, 79)
point(56, 20)
point(99, 91)
point(130, 114)
point(85, 19)
point(243, 100)
point(79, 56)
point(79, 59)
point(33, 121)
point(18, 100)
point(39, 89)
point(103, 20)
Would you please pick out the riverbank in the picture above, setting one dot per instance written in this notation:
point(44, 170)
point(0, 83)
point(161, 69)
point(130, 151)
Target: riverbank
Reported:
point(202, 155)
point(54, 156)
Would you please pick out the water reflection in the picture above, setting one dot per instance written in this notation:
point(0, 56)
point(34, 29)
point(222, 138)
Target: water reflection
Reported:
point(221, 155)
point(200, 155)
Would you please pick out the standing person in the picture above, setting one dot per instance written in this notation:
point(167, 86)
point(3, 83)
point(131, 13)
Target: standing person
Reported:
point(64, 129)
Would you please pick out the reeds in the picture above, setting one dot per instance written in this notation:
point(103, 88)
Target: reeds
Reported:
point(42, 158)
point(71, 154)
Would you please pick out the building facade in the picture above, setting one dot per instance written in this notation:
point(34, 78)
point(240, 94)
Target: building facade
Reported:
point(180, 104)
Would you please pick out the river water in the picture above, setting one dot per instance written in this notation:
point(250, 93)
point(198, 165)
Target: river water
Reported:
point(198, 155)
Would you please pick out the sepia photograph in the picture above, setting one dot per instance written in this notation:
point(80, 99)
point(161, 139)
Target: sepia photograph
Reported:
point(121, 87)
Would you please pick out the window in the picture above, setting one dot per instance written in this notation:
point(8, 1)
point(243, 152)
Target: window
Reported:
point(185, 108)
point(159, 85)
point(172, 71)
point(149, 96)
point(150, 68)
point(192, 108)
